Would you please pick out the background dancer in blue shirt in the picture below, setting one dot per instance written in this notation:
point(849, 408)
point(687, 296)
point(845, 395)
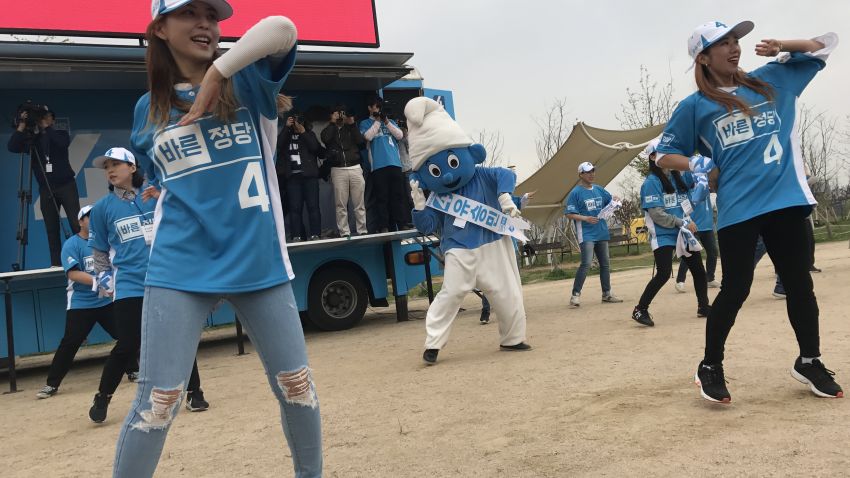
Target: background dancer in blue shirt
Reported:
point(703, 216)
point(746, 122)
point(121, 232)
point(209, 125)
point(84, 308)
point(584, 204)
point(664, 199)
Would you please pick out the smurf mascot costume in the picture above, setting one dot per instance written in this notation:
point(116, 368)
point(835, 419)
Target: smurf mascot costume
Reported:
point(471, 207)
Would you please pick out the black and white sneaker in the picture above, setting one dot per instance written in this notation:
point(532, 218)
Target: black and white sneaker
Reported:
point(817, 377)
point(703, 311)
point(195, 401)
point(712, 383)
point(430, 356)
point(520, 347)
point(133, 376)
point(47, 392)
point(100, 404)
point(643, 317)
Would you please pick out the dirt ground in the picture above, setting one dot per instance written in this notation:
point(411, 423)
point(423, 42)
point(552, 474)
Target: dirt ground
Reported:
point(598, 396)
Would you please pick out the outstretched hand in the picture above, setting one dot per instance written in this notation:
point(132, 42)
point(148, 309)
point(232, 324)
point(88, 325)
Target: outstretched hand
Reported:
point(207, 97)
point(768, 47)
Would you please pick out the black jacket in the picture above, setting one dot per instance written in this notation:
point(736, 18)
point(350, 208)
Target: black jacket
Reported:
point(53, 143)
point(309, 150)
point(343, 144)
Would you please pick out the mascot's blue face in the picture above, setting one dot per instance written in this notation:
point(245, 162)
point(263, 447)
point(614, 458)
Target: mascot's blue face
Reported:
point(450, 169)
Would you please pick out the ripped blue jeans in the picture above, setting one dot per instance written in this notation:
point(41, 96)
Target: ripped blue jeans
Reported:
point(171, 328)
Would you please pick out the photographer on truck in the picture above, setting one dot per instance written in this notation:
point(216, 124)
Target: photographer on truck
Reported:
point(343, 141)
point(383, 136)
point(48, 151)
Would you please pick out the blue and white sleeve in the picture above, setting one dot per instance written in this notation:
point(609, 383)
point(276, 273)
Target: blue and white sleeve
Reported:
point(680, 136)
point(572, 206)
point(98, 227)
point(70, 256)
point(651, 195)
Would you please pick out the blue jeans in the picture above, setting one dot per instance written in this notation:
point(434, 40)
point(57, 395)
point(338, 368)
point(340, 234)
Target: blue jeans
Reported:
point(172, 321)
point(588, 248)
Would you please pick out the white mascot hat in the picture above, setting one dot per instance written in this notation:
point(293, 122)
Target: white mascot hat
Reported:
point(431, 130)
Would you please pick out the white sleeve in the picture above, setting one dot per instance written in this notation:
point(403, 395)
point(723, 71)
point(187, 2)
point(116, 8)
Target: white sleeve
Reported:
point(372, 131)
point(271, 36)
point(395, 130)
point(829, 40)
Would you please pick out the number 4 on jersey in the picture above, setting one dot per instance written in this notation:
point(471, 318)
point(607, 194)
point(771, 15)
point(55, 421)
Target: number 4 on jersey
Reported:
point(773, 151)
point(253, 174)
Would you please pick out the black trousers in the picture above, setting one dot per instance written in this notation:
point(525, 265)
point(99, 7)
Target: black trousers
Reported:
point(128, 331)
point(709, 245)
point(78, 325)
point(664, 264)
point(65, 197)
point(390, 202)
point(302, 191)
point(785, 237)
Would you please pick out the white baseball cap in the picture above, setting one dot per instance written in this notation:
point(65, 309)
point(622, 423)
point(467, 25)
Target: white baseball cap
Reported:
point(585, 167)
point(709, 33)
point(161, 7)
point(118, 154)
point(83, 211)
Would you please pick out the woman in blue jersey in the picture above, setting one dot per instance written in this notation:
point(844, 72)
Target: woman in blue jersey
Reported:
point(746, 122)
point(84, 308)
point(121, 230)
point(664, 199)
point(208, 128)
point(703, 216)
point(584, 203)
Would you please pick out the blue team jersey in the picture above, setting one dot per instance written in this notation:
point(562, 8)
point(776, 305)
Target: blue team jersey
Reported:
point(117, 227)
point(219, 224)
point(703, 215)
point(76, 254)
point(652, 195)
point(485, 187)
point(383, 148)
point(589, 202)
point(759, 157)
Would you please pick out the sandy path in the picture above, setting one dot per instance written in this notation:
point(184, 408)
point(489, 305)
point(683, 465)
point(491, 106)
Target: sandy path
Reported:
point(599, 396)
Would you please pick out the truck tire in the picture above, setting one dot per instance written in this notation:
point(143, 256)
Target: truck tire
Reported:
point(337, 298)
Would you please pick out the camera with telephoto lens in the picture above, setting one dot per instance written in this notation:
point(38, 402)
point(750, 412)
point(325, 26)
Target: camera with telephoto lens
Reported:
point(29, 113)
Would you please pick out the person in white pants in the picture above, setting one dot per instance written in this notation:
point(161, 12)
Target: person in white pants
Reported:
point(472, 208)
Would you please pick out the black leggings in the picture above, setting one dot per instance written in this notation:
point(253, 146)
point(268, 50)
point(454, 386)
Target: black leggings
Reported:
point(78, 325)
point(664, 264)
point(128, 332)
point(785, 237)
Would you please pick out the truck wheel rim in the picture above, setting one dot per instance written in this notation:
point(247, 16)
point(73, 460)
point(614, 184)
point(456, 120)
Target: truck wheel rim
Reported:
point(339, 299)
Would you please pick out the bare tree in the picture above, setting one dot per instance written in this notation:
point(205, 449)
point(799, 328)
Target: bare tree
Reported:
point(822, 151)
point(493, 143)
point(553, 130)
point(647, 105)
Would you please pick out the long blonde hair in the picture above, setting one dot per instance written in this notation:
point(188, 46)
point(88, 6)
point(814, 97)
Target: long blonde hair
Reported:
point(163, 74)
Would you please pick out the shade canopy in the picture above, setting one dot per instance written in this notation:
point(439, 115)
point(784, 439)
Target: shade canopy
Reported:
point(610, 152)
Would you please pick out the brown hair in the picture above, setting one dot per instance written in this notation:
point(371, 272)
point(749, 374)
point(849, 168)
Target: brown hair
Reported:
point(163, 74)
point(708, 87)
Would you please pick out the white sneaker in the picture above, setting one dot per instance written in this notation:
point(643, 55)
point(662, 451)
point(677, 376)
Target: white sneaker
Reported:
point(575, 300)
point(714, 284)
point(47, 392)
point(680, 287)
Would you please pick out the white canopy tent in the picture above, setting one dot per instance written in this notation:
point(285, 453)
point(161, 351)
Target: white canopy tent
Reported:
point(609, 151)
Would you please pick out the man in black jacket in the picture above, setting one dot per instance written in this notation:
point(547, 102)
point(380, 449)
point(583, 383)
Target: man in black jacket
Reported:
point(343, 141)
point(52, 170)
point(297, 165)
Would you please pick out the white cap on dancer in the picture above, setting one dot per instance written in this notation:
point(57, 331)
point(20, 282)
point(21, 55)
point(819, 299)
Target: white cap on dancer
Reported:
point(117, 154)
point(161, 7)
point(431, 130)
point(585, 167)
point(709, 33)
point(84, 211)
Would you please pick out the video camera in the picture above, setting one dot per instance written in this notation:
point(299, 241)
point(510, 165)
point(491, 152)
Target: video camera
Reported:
point(30, 113)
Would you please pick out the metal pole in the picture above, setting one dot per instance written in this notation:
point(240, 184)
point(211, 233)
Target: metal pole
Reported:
point(240, 338)
point(10, 339)
point(427, 253)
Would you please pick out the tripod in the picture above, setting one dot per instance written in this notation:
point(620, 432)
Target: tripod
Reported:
point(25, 200)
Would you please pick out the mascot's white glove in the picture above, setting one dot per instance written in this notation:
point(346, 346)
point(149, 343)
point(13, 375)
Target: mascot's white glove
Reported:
point(417, 195)
point(507, 204)
point(700, 164)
